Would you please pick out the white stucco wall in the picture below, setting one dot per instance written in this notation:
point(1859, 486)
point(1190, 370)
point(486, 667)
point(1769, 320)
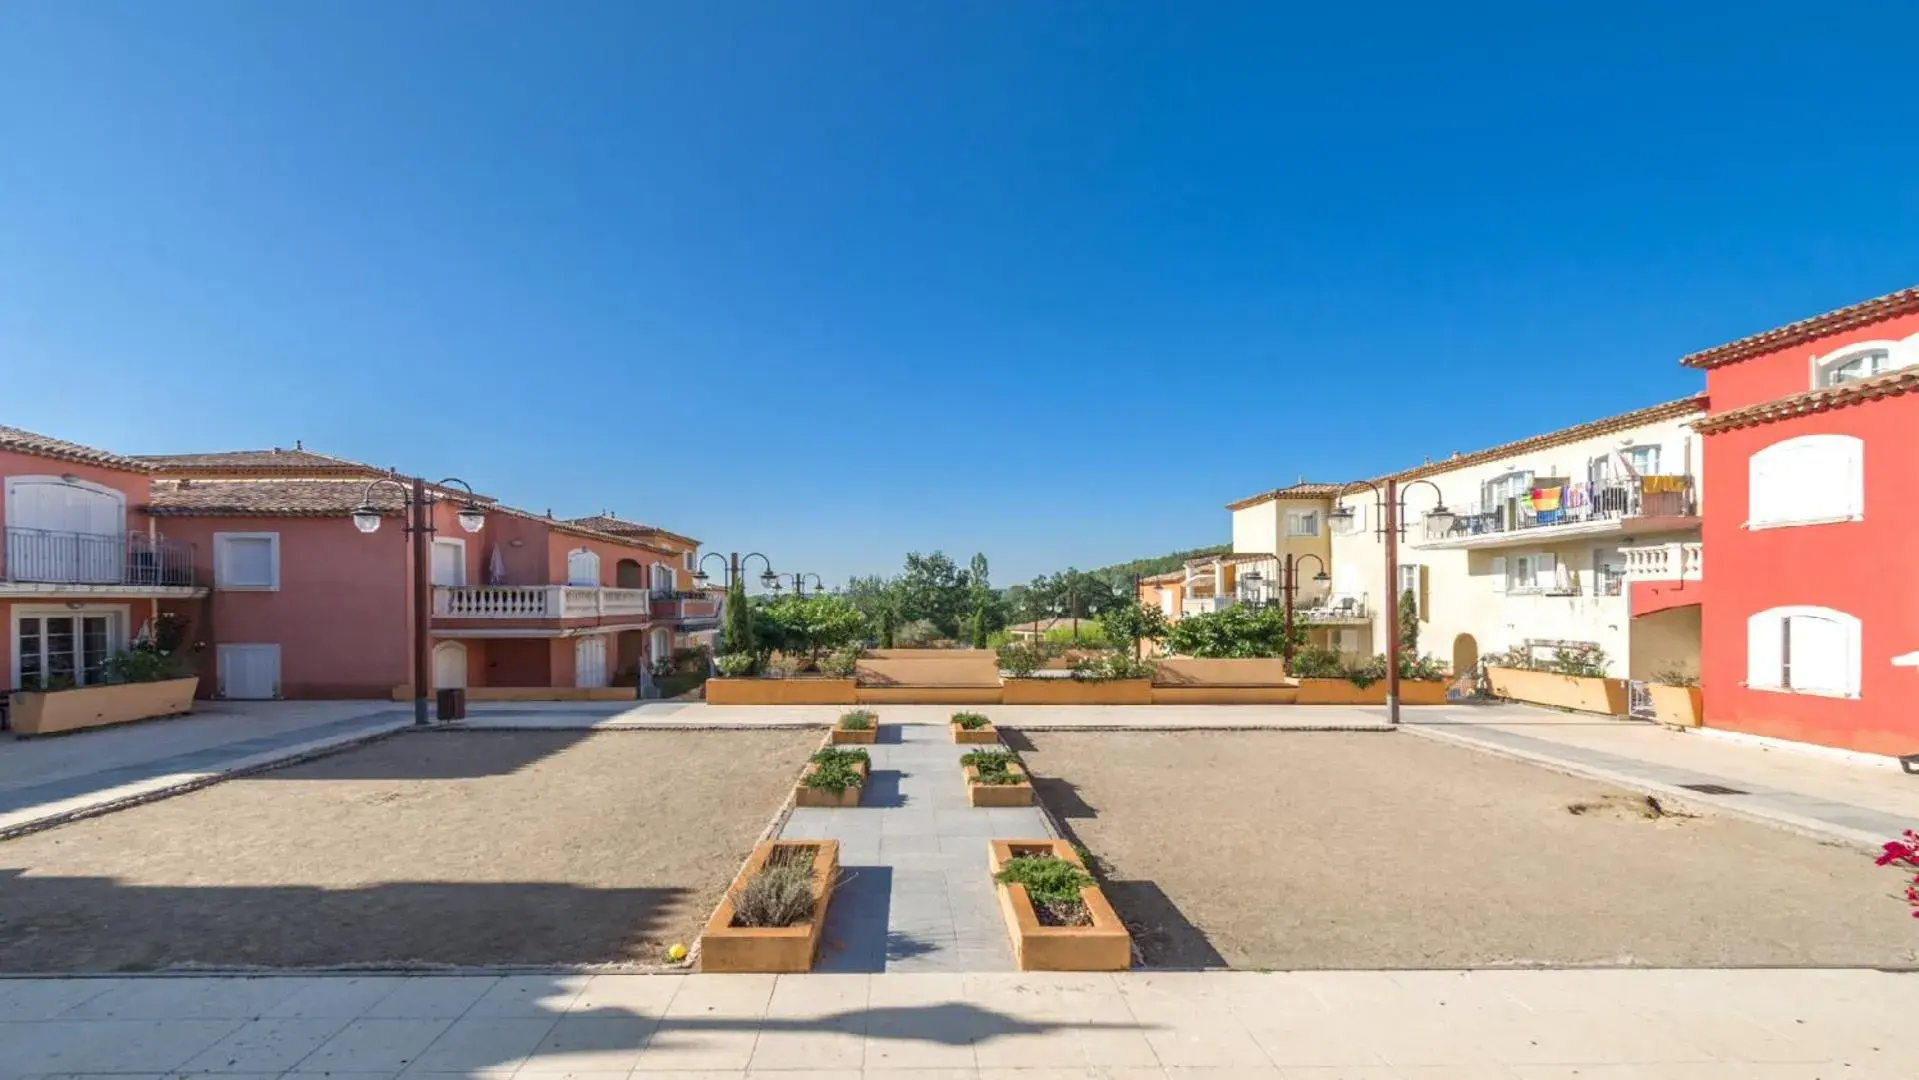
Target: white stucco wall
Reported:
point(1460, 591)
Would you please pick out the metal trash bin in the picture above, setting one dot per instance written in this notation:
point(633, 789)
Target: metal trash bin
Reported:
point(451, 703)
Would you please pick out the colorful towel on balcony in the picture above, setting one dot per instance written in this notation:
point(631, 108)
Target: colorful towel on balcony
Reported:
point(1662, 485)
point(1545, 499)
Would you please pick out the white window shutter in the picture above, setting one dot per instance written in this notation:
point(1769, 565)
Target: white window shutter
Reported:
point(1760, 489)
point(1853, 478)
point(1499, 574)
point(1818, 654)
point(1764, 656)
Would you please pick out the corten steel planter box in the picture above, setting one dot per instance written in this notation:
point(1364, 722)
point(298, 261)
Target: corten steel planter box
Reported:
point(771, 949)
point(928, 695)
point(1680, 706)
point(99, 706)
point(987, 734)
point(1344, 692)
point(1077, 692)
point(1579, 693)
point(978, 794)
point(1186, 694)
point(855, 736)
point(1103, 946)
point(781, 692)
point(812, 796)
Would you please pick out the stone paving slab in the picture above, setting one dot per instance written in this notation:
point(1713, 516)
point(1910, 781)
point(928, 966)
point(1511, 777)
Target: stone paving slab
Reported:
point(915, 896)
point(1502, 1025)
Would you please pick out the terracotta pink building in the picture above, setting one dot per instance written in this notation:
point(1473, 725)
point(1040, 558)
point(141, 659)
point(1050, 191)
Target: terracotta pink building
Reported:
point(257, 551)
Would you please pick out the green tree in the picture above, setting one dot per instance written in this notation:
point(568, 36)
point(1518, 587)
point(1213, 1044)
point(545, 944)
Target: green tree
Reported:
point(888, 623)
point(736, 629)
point(1238, 631)
point(979, 628)
point(1132, 623)
point(1409, 623)
point(808, 625)
point(934, 588)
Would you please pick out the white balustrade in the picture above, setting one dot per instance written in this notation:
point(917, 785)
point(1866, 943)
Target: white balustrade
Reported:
point(1682, 561)
point(537, 602)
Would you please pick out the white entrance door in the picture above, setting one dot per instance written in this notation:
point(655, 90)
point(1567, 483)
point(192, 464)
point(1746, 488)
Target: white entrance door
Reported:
point(589, 661)
point(449, 562)
point(249, 672)
point(662, 646)
point(449, 665)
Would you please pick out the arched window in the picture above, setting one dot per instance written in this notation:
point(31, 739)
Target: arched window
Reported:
point(582, 568)
point(1807, 481)
point(1803, 650)
point(1863, 360)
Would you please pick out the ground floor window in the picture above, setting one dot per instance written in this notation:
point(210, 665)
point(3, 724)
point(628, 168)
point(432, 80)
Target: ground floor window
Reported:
point(1806, 649)
point(67, 650)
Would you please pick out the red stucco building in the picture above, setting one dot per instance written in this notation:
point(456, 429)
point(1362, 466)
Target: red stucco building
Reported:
point(258, 552)
point(1810, 606)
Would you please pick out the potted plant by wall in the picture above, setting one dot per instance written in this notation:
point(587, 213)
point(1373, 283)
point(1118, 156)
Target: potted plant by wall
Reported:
point(996, 778)
point(971, 727)
point(1056, 916)
point(767, 679)
point(771, 916)
point(151, 679)
point(834, 777)
point(1325, 678)
point(1675, 697)
point(1574, 678)
point(1110, 677)
point(857, 726)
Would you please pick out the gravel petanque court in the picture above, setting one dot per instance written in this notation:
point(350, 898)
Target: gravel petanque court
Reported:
point(550, 847)
point(1320, 850)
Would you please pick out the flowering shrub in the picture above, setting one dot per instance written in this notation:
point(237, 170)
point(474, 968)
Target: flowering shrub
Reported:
point(1904, 854)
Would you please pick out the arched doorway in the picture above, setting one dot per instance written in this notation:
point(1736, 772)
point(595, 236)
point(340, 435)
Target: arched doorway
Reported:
point(1465, 655)
point(449, 665)
point(629, 574)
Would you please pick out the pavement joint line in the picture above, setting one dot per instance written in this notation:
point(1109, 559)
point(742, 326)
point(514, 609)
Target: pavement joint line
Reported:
point(1812, 828)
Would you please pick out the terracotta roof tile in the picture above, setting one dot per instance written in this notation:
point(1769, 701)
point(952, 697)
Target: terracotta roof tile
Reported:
point(607, 523)
point(1588, 430)
point(1302, 490)
point(269, 498)
point(275, 462)
point(26, 442)
point(1891, 384)
point(1879, 308)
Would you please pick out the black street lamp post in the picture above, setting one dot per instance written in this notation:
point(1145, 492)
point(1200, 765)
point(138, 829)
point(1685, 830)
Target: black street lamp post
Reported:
point(1390, 506)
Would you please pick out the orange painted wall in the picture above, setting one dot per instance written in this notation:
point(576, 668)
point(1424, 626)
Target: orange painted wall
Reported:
point(1789, 371)
point(341, 616)
point(1855, 567)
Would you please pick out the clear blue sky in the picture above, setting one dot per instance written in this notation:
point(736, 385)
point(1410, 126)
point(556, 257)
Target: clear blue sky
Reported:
point(836, 280)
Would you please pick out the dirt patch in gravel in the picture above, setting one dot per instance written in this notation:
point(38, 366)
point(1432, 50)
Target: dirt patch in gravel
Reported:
point(430, 848)
point(1296, 850)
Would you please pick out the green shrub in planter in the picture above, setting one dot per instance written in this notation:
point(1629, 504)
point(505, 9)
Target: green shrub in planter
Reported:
point(858, 720)
point(737, 665)
point(992, 766)
point(1052, 884)
point(781, 894)
point(971, 721)
point(1316, 663)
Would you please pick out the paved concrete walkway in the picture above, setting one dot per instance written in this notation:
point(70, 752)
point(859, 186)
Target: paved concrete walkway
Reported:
point(1488, 1025)
point(915, 895)
point(51, 777)
point(1029, 717)
point(1849, 799)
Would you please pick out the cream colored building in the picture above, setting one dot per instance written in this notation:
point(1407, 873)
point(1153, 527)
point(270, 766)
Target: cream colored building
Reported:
point(1535, 546)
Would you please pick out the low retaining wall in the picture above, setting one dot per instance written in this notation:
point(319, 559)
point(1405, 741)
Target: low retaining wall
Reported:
point(1077, 692)
point(782, 692)
point(1680, 706)
point(533, 693)
point(1225, 695)
point(98, 706)
point(929, 695)
point(1345, 692)
point(1606, 697)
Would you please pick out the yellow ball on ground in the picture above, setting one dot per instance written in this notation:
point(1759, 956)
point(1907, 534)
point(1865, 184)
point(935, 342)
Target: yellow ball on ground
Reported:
point(676, 954)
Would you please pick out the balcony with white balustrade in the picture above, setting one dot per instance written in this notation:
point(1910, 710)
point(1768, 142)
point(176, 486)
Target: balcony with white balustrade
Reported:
point(1660, 577)
point(535, 610)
